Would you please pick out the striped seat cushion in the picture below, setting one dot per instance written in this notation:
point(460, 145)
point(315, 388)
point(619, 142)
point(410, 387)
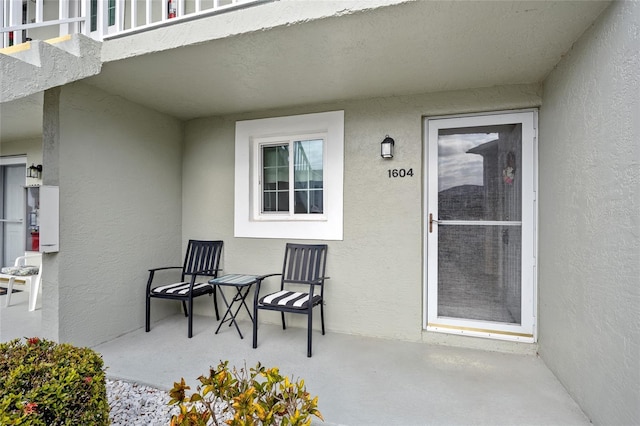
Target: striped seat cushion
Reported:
point(290, 299)
point(181, 289)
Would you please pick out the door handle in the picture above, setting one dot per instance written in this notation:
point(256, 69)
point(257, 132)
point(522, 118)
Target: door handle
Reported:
point(431, 222)
point(11, 220)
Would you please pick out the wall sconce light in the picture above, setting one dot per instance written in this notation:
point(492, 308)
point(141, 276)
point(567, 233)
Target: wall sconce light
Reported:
point(386, 147)
point(34, 171)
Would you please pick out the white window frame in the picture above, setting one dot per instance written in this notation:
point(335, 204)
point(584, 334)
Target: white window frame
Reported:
point(258, 145)
point(249, 222)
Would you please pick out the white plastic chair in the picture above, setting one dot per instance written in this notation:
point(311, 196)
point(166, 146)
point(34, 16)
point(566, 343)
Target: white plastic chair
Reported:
point(21, 271)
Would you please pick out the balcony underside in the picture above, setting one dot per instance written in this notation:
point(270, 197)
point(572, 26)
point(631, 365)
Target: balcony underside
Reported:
point(280, 55)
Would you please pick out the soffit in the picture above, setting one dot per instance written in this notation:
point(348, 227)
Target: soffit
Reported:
point(415, 47)
point(21, 119)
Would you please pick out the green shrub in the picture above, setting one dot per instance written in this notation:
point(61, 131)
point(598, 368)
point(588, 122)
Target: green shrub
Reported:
point(259, 396)
point(45, 383)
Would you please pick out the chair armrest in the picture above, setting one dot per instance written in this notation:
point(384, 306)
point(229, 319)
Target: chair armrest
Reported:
point(165, 267)
point(153, 271)
point(20, 261)
point(262, 277)
point(258, 283)
point(194, 275)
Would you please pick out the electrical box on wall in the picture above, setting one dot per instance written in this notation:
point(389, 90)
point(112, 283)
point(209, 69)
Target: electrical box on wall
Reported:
point(49, 219)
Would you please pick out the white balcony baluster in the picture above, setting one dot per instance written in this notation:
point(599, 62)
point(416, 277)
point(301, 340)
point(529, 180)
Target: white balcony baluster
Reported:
point(63, 13)
point(19, 22)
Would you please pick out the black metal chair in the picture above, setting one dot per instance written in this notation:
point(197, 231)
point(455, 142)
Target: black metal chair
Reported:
point(304, 266)
point(202, 259)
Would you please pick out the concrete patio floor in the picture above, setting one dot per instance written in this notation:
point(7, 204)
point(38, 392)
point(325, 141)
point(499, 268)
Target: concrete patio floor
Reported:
point(359, 380)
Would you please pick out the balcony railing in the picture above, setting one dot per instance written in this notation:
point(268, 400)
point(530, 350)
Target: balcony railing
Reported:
point(23, 20)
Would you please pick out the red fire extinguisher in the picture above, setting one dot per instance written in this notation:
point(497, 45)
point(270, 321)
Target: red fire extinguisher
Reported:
point(172, 9)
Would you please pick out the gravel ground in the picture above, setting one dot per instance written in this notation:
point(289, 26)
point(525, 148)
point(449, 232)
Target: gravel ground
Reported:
point(132, 404)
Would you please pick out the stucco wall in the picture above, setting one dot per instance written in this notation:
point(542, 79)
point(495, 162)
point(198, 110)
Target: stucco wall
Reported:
point(379, 262)
point(119, 173)
point(589, 265)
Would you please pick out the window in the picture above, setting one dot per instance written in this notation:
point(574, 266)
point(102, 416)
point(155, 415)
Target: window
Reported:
point(111, 14)
point(298, 160)
point(94, 15)
point(289, 174)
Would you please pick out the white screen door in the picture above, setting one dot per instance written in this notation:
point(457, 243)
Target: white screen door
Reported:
point(480, 225)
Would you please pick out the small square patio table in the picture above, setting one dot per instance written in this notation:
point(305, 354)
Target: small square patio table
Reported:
point(242, 283)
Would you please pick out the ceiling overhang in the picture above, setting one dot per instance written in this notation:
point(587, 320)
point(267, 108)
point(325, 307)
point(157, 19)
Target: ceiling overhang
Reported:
point(407, 47)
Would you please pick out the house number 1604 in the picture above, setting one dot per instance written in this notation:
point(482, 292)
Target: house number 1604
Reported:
point(394, 173)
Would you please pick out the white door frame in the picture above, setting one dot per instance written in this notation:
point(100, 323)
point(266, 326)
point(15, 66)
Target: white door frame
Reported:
point(17, 160)
point(527, 330)
point(102, 25)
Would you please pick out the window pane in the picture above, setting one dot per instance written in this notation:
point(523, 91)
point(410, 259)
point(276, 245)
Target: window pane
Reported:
point(283, 178)
point(270, 179)
point(301, 183)
point(301, 202)
point(270, 156)
point(309, 202)
point(112, 12)
point(479, 173)
point(269, 202)
point(94, 15)
point(308, 176)
point(273, 156)
point(283, 201)
point(316, 201)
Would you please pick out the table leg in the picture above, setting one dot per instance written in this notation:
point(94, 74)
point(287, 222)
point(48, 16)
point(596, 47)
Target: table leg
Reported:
point(242, 298)
point(232, 317)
